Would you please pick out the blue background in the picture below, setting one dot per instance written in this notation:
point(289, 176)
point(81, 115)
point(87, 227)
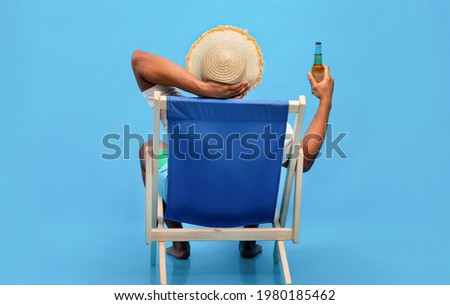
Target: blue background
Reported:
point(67, 216)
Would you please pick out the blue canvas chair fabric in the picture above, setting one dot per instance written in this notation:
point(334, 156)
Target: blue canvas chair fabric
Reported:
point(224, 160)
point(224, 172)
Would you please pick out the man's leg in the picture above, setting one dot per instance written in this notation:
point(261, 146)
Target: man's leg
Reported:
point(249, 249)
point(179, 249)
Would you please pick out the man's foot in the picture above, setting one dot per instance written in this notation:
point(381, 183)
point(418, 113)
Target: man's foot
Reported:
point(249, 249)
point(180, 249)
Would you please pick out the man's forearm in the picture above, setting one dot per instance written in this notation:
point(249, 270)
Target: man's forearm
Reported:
point(315, 135)
point(151, 69)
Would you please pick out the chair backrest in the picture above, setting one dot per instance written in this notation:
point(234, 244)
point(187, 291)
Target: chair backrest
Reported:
point(224, 160)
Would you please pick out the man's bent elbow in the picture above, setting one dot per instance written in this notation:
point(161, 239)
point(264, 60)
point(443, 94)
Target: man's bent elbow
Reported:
point(136, 58)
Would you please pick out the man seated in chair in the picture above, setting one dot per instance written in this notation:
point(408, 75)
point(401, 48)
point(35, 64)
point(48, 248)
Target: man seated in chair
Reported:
point(225, 62)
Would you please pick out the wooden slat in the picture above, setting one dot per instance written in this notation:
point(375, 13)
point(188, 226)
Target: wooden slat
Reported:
point(148, 198)
point(284, 263)
point(291, 166)
point(162, 245)
point(297, 197)
point(222, 234)
point(152, 183)
point(162, 263)
point(294, 105)
point(156, 123)
point(149, 208)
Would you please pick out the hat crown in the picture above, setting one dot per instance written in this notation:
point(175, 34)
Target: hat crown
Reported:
point(238, 56)
point(224, 62)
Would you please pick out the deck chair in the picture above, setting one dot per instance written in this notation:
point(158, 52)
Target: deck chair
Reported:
point(236, 188)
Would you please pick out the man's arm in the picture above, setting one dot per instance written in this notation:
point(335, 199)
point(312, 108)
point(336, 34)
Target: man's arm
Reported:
point(315, 135)
point(150, 69)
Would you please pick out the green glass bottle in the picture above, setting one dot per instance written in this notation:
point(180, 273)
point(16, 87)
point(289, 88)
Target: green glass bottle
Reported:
point(317, 69)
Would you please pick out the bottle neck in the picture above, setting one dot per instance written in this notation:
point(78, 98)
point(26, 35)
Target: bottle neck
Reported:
point(317, 59)
point(318, 55)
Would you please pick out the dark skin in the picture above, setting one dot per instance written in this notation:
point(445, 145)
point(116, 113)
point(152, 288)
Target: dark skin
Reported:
point(150, 69)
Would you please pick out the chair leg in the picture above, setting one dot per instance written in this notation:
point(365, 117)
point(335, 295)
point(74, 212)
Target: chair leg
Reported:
point(162, 263)
point(284, 262)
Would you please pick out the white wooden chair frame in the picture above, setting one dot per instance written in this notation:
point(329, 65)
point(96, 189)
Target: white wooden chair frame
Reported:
point(157, 234)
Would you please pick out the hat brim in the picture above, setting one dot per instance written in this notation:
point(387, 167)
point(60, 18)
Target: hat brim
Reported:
point(251, 48)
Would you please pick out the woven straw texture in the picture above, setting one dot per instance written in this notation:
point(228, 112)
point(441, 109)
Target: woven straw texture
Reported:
point(226, 54)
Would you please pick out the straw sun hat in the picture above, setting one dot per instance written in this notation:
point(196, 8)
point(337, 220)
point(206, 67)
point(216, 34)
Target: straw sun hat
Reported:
point(226, 54)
